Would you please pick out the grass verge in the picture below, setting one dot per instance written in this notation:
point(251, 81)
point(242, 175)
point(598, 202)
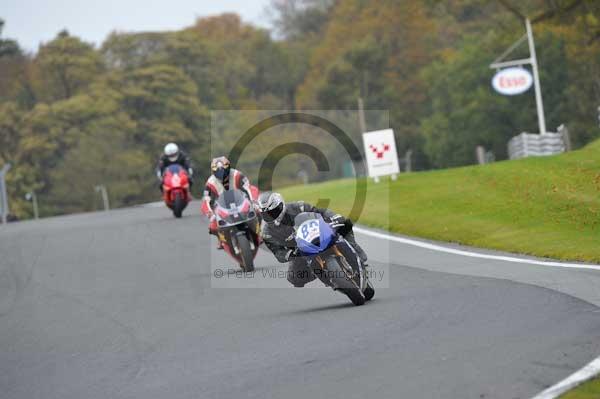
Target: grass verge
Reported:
point(545, 206)
point(587, 390)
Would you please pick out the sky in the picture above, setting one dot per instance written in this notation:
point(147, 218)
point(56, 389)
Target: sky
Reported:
point(33, 21)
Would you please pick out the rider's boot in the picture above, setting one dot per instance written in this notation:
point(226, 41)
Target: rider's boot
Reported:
point(212, 230)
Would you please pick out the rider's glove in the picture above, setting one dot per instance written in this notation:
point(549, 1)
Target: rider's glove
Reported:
point(337, 221)
point(336, 225)
point(209, 213)
point(341, 224)
point(337, 218)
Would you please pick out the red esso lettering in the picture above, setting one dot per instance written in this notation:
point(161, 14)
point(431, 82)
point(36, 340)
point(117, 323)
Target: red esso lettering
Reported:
point(512, 82)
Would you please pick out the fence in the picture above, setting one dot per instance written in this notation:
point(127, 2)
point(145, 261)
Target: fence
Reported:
point(527, 145)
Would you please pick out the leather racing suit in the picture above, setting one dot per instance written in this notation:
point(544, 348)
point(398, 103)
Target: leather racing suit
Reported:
point(279, 238)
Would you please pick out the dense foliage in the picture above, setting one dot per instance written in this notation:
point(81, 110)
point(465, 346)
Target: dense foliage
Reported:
point(73, 116)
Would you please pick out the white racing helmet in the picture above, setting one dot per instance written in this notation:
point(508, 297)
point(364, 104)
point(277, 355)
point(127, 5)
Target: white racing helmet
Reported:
point(172, 151)
point(272, 207)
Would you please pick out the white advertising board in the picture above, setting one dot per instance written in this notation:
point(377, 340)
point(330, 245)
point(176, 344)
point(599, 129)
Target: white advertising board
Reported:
point(381, 154)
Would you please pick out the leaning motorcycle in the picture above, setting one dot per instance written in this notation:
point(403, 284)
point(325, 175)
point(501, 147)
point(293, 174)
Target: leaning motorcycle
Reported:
point(238, 227)
point(333, 260)
point(176, 189)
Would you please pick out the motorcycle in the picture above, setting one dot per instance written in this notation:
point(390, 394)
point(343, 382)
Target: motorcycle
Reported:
point(333, 260)
point(238, 227)
point(176, 189)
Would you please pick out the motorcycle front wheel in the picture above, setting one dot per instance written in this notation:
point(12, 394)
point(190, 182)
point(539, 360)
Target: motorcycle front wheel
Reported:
point(178, 205)
point(343, 282)
point(246, 254)
point(369, 291)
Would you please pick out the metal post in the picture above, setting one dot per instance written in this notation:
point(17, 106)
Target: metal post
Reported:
point(30, 196)
point(532, 60)
point(536, 79)
point(3, 194)
point(36, 209)
point(361, 116)
point(564, 132)
point(408, 161)
point(102, 190)
point(3, 213)
point(480, 154)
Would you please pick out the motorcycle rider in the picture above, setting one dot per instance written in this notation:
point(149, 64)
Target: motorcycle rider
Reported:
point(278, 233)
point(173, 155)
point(223, 178)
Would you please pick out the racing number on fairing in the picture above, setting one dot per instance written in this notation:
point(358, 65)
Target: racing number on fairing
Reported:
point(309, 230)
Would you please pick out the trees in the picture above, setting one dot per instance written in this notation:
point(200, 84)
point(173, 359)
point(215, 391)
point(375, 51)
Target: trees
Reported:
point(14, 69)
point(66, 67)
point(105, 155)
point(297, 19)
point(92, 125)
point(71, 111)
point(163, 102)
point(8, 47)
point(465, 112)
point(373, 50)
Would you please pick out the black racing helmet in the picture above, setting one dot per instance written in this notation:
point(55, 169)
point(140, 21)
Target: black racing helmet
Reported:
point(220, 167)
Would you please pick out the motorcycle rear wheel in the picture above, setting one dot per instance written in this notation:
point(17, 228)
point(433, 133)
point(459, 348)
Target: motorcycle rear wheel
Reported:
point(355, 296)
point(338, 267)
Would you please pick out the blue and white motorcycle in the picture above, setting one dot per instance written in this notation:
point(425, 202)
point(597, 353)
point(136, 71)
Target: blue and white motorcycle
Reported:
point(332, 258)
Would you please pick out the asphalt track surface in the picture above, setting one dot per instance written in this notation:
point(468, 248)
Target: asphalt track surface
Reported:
point(121, 305)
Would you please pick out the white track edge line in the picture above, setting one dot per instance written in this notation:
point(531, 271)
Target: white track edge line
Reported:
point(587, 372)
point(471, 254)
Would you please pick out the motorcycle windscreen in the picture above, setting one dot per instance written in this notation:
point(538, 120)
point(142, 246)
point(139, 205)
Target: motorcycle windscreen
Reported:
point(229, 197)
point(175, 169)
point(233, 208)
point(313, 235)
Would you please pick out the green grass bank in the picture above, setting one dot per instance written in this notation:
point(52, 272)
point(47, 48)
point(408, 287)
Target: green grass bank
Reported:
point(587, 390)
point(543, 206)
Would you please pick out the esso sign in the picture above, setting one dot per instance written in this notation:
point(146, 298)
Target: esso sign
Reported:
point(512, 81)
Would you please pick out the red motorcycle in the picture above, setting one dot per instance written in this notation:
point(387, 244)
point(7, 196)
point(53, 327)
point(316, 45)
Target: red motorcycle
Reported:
point(176, 189)
point(238, 224)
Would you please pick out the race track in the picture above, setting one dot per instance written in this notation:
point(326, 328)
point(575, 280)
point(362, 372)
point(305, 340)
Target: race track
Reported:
point(120, 305)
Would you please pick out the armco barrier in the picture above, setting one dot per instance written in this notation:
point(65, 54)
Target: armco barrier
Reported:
point(527, 145)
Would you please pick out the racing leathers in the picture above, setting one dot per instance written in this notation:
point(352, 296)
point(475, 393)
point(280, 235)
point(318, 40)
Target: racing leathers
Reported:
point(234, 180)
point(280, 239)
